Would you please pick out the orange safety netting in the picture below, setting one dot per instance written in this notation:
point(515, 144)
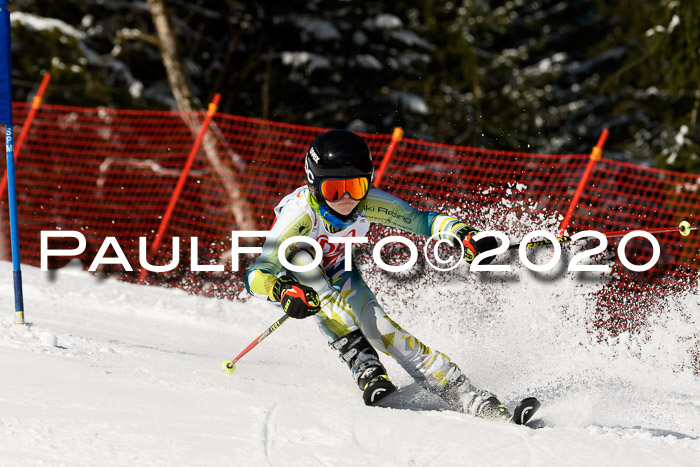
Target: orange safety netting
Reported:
point(108, 172)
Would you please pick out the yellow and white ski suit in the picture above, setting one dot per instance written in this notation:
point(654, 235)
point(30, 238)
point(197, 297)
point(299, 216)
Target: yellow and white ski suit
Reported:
point(347, 303)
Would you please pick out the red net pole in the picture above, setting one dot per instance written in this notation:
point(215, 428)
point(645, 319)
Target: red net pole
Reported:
point(181, 181)
point(595, 156)
point(396, 138)
point(36, 105)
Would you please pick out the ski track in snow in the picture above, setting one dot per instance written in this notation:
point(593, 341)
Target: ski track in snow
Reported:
point(135, 379)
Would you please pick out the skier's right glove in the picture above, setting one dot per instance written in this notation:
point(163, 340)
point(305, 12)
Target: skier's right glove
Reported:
point(472, 248)
point(297, 300)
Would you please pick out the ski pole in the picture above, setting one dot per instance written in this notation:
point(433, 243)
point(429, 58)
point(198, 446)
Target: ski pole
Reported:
point(229, 366)
point(684, 228)
point(537, 243)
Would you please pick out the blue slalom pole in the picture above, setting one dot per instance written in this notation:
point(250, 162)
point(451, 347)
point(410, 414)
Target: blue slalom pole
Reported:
point(6, 118)
point(14, 229)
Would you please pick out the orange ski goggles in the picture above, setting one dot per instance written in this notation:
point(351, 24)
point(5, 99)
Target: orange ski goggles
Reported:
point(334, 189)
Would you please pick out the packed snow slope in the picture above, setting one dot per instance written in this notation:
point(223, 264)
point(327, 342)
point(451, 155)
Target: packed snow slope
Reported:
point(110, 373)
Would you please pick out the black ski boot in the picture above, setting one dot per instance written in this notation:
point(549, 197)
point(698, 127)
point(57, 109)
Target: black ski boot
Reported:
point(370, 375)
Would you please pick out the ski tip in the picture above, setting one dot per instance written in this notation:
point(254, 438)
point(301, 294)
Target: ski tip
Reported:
point(228, 367)
point(525, 410)
point(378, 391)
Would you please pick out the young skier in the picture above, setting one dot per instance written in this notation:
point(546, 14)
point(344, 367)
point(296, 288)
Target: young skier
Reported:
point(338, 201)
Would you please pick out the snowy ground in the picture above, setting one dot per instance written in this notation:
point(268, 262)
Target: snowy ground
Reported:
point(109, 373)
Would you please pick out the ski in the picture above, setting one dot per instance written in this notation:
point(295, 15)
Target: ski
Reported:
point(524, 411)
point(382, 393)
point(377, 389)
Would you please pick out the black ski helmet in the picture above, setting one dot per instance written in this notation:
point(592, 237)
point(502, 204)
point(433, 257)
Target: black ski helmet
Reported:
point(337, 154)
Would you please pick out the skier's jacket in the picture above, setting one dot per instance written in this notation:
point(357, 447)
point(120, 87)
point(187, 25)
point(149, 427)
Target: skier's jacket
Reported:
point(300, 214)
